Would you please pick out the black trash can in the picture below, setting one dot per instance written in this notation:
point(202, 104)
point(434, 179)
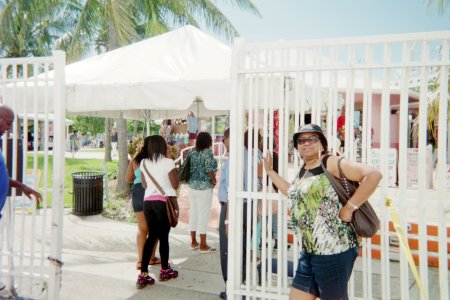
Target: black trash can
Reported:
point(87, 197)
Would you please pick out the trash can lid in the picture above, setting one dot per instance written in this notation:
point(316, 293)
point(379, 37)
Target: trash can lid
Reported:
point(87, 175)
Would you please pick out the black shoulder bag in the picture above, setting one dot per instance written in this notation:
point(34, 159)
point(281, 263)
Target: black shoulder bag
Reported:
point(185, 169)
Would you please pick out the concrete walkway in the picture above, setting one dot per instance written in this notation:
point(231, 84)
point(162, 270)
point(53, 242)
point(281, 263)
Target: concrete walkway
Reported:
point(100, 256)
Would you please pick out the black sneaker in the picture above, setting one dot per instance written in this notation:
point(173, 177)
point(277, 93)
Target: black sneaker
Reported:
point(223, 295)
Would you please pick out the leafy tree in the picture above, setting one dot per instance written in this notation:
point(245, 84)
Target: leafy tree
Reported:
point(30, 28)
point(86, 124)
point(107, 24)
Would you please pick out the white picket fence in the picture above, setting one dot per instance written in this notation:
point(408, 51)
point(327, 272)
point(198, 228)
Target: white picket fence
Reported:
point(31, 234)
point(385, 82)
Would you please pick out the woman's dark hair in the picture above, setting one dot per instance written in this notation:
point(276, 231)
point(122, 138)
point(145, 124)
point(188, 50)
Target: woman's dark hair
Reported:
point(157, 146)
point(226, 133)
point(324, 142)
point(143, 153)
point(169, 122)
point(259, 139)
point(204, 141)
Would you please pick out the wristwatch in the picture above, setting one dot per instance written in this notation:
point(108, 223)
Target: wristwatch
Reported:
point(225, 222)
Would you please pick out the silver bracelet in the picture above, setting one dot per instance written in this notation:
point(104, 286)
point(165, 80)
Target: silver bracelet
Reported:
point(355, 207)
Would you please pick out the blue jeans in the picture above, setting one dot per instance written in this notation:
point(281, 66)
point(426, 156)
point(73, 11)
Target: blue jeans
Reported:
point(325, 276)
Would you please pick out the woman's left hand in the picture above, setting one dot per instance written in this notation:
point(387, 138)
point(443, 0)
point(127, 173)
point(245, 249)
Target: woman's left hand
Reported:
point(346, 213)
point(267, 162)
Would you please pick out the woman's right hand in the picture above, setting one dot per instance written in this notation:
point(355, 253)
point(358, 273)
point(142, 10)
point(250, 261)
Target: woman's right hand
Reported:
point(267, 162)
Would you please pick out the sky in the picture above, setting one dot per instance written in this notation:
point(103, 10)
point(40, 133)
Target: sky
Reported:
point(316, 19)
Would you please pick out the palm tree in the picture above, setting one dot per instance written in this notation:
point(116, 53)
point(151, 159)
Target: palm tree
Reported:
point(440, 5)
point(113, 23)
point(29, 28)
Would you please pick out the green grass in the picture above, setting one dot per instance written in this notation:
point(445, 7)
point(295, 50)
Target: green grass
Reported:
point(92, 150)
point(71, 166)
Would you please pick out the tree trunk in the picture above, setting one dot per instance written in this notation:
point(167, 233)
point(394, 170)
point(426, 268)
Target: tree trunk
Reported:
point(122, 185)
point(107, 141)
point(135, 128)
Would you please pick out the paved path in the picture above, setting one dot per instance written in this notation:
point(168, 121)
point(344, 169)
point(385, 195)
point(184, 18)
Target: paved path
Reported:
point(102, 251)
point(100, 257)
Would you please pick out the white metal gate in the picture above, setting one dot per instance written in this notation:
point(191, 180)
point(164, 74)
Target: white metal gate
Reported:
point(388, 85)
point(31, 233)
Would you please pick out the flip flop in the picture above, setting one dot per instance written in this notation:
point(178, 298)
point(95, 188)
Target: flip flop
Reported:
point(195, 247)
point(155, 261)
point(209, 250)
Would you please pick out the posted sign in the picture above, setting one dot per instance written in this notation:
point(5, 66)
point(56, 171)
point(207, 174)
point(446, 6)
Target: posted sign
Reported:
point(375, 161)
point(413, 167)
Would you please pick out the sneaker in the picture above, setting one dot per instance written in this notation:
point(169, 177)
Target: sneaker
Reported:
point(144, 280)
point(166, 274)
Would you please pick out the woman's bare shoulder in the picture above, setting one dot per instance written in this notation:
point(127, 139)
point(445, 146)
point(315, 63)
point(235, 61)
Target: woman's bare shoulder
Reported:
point(332, 165)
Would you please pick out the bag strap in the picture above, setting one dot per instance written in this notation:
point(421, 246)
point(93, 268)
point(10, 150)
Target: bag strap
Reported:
point(340, 169)
point(342, 194)
point(158, 187)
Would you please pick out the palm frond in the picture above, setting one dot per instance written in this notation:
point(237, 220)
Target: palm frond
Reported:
point(440, 5)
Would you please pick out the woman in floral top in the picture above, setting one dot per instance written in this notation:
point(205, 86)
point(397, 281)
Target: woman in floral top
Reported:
point(329, 244)
point(202, 179)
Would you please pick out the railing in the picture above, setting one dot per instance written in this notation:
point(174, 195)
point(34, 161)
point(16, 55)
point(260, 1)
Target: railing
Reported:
point(275, 87)
point(31, 234)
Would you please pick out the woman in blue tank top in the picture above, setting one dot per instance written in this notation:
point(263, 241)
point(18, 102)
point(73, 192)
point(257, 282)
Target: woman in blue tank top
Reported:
point(133, 175)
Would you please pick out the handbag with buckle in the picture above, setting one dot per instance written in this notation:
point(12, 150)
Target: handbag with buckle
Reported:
point(365, 221)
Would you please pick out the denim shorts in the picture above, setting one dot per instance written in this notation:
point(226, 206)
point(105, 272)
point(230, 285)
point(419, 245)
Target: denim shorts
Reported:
point(137, 197)
point(325, 276)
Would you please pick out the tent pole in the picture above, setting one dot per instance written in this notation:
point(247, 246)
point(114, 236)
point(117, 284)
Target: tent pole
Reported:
point(213, 128)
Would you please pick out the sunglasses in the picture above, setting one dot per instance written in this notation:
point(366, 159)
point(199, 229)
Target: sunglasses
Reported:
point(310, 139)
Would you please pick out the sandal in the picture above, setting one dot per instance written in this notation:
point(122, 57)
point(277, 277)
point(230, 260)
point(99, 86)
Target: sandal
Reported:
point(155, 261)
point(209, 250)
point(138, 265)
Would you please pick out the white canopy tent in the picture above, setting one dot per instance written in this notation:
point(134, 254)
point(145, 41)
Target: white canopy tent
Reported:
point(161, 77)
point(166, 75)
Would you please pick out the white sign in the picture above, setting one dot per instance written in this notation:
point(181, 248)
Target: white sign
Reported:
point(412, 167)
point(375, 161)
point(23, 201)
